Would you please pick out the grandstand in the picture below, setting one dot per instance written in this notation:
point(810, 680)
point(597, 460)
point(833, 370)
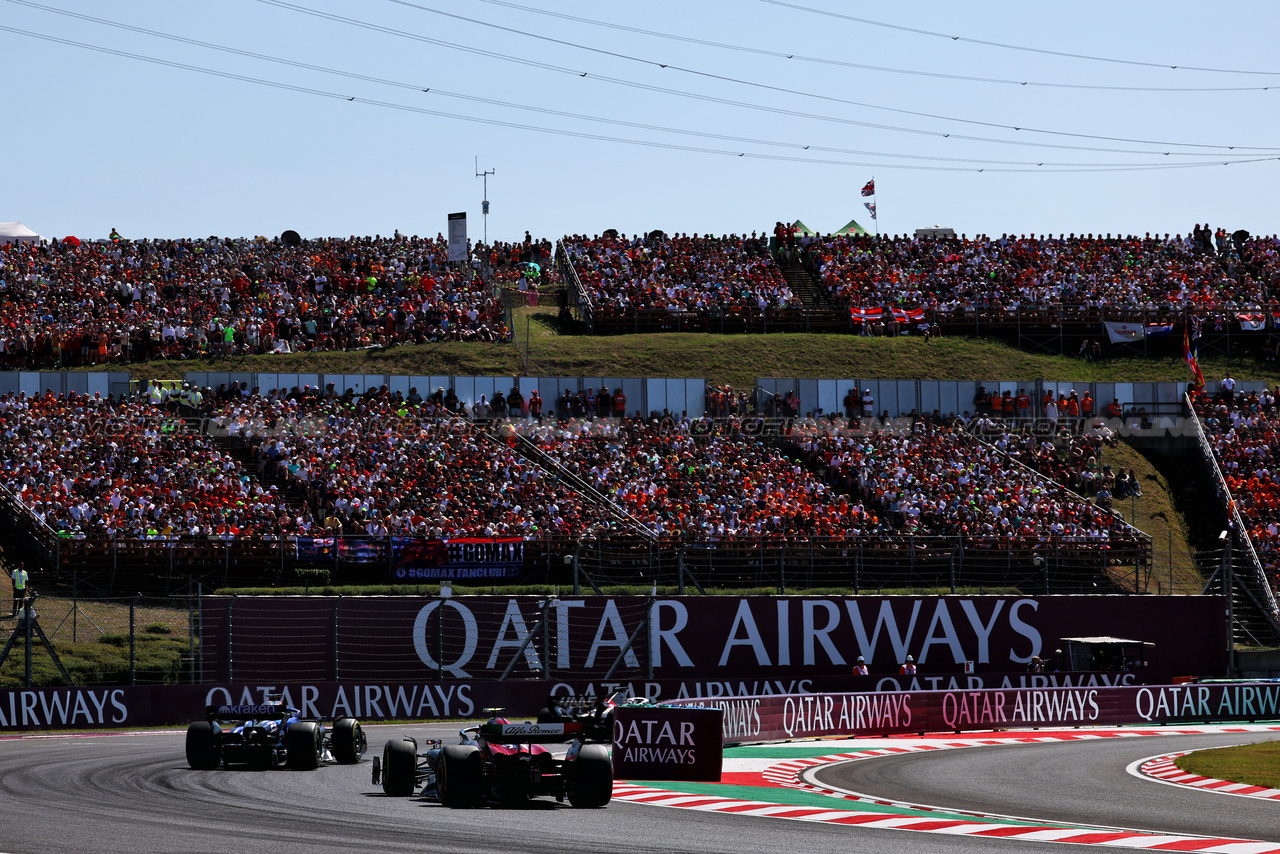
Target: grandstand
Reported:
point(1040, 292)
point(612, 479)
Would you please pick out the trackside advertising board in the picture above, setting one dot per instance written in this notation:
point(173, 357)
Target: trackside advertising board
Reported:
point(656, 743)
point(747, 717)
point(414, 638)
point(775, 718)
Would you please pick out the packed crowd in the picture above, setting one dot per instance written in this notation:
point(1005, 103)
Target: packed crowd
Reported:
point(678, 273)
point(932, 475)
point(1244, 433)
point(92, 466)
point(382, 463)
point(1013, 271)
point(70, 304)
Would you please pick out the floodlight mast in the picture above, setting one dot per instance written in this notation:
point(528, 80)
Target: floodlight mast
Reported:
point(484, 205)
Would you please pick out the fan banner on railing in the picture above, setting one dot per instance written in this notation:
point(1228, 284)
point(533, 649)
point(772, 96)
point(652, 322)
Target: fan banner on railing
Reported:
point(315, 549)
point(457, 559)
point(1159, 330)
point(1252, 322)
point(908, 315)
point(1124, 333)
point(362, 551)
point(861, 314)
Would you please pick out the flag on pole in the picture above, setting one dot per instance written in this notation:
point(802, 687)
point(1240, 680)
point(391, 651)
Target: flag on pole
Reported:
point(869, 188)
point(1193, 358)
point(871, 206)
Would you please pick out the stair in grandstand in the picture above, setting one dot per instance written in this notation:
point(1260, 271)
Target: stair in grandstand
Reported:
point(822, 315)
point(1252, 625)
point(288, 495)
point(542, 460)
point(803, 286)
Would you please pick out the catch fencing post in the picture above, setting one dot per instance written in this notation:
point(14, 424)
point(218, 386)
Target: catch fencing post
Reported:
point(27, 619)
point(133, 639)
point(335, 638)
point(230, 608)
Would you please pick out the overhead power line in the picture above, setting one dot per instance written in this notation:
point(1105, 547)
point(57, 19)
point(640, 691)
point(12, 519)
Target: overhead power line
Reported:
point(1023, 48)
point(783, 90)
point(418, 87)
point(755, 106)
point(580, 134)
point(841, 63)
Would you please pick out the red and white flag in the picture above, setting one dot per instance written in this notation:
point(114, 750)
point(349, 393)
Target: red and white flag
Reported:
point(1252, 322)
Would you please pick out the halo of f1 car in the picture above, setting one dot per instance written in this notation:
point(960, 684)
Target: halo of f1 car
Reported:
point(505, 763)
point(269, 735)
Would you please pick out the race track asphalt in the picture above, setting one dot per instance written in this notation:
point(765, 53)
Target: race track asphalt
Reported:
point(1081, 782)
point(134, 794)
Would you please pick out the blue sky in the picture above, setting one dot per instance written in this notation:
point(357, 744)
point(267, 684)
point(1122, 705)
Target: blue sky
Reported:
point(96, 140)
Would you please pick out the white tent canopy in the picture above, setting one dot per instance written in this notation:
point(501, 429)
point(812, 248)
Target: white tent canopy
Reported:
point(16, 232)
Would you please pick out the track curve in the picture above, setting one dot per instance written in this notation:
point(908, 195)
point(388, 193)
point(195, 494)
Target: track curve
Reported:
point(134, 793)
point(1081, 782)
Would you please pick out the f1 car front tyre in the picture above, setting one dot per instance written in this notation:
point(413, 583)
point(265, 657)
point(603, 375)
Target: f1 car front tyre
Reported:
point(303, 744)
point(203, 752)
point(348, 743)
point(399, 767)
point(459, 776)
point(591, 777)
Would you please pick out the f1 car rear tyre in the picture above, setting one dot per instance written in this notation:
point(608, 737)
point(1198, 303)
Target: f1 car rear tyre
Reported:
point(203, 752)
point(459, 776)
point(303, 744)
point(348, 741)
point(591, 780)
point(399, 767)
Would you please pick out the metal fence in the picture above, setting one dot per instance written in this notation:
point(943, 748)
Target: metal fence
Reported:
point(135, 640)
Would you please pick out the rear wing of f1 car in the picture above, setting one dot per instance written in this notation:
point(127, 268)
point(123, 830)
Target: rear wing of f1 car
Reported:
point(528, 733)
point(249, 711)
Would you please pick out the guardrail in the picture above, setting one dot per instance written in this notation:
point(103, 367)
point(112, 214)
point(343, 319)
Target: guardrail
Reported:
point(1260, 586)
point(583, 299)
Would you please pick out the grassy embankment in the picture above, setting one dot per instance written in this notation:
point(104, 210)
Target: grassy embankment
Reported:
point(734, 359)
point(92, 641)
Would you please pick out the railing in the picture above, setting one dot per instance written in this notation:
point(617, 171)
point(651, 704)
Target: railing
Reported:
point(174, 566)
point(1058, 320)
point(569, 274)
point(1261, 586)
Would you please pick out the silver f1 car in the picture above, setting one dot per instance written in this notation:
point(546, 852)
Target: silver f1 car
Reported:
point(268, 735)
point(505, 763)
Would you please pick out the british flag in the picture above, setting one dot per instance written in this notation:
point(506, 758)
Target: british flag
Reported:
point(869, 188)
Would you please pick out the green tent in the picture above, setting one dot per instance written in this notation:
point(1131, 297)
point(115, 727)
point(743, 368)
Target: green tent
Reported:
point(799, 227)
point(852, 228)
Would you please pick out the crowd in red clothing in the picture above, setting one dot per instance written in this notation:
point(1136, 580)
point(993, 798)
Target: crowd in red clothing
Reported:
point(385, 464)
point(93, 466)
point(677, 273)
point(1244, 432)
point(65, 304)
point(1075, 271)
point(930, 475)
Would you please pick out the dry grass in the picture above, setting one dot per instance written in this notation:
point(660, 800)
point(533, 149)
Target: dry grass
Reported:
point(1255, 764)
point(1173, 568)
point(734, 359)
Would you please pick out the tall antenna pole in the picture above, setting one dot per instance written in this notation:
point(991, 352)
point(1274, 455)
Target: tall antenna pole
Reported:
point(484, 205)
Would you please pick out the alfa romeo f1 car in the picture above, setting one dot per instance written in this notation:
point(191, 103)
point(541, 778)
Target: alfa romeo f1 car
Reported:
point(505, 763)
point(269, 735)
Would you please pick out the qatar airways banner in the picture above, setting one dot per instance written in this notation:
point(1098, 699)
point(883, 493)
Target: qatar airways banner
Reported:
point(658, 743)
point(775, 718)
point(481, 638)
point(761, 717)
